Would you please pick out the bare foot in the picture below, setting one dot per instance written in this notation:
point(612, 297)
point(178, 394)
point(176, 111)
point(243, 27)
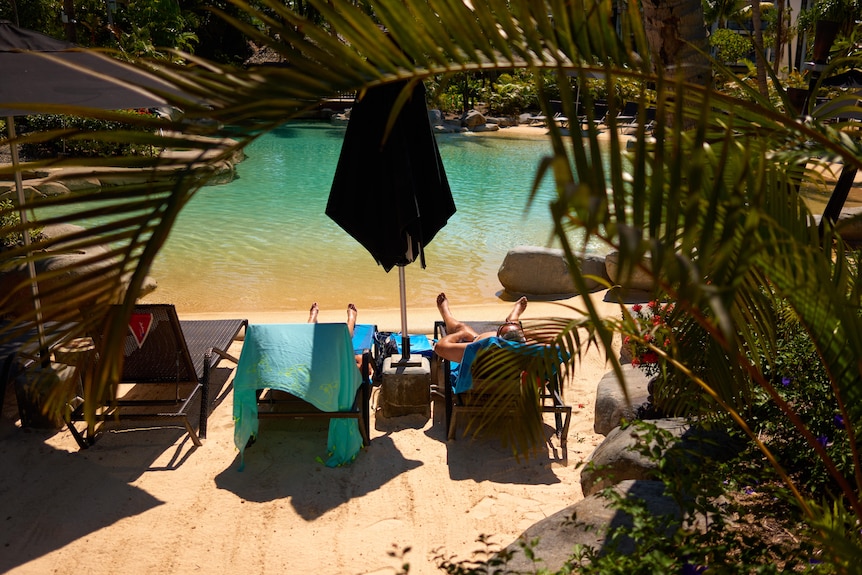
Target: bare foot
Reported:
point(312, 313)
point(352, 312)
point(443, 305)
point(518, 309)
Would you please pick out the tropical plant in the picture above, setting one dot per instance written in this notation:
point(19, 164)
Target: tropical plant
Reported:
point(709, 197)
point(729, 45)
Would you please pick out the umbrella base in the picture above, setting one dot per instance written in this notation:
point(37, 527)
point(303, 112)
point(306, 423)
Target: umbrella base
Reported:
point(406, 390)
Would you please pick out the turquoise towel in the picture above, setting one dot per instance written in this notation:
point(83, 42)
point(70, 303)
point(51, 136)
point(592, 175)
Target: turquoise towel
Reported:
point(314, 362)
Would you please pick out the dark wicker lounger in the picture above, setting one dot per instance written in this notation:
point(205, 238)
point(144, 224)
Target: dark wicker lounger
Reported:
point(170, 361)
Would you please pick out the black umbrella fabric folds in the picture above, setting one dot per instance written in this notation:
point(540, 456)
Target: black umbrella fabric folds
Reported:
point(391, 194)
point(39, 69)
point(390, 190)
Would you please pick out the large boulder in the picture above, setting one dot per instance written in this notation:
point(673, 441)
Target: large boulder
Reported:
point(586, 523)
point(532, 270)
point(81, 266)
point(634, 279)
point(616, 401)
point(473, 118)
point(489, 127)
point(849, 224)
point(436, 117)
point(617, 459)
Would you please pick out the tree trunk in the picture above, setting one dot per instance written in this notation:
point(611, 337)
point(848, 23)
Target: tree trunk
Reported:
point(677, 39)
point(760, 56)
point(69, 10)
point(780, 33)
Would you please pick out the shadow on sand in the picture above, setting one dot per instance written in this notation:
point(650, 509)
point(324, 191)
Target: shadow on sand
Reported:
point(286, 463)
point(95, 485)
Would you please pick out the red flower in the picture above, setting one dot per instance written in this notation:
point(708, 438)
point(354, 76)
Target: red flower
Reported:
point(637, 307)
point(649, 357)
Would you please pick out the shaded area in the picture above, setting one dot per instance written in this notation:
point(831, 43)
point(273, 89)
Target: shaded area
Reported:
point(286, 462)
point(39, 522)
point(487, 459)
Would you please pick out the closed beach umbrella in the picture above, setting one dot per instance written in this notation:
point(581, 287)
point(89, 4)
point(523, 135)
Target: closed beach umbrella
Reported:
point(40, 70)
point(390, 191)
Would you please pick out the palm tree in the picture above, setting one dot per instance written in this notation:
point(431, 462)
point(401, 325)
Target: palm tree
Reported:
point(706, 203)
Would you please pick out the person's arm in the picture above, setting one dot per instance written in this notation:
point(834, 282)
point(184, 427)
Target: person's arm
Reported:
point(450, 347)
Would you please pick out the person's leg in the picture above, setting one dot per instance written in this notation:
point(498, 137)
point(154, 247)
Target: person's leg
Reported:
point(517, 309)
point(352, 312)
point(454, 326)
point(312, 313)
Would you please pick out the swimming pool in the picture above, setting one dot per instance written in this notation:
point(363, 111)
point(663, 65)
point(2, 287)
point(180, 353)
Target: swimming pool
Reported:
point(263, 241)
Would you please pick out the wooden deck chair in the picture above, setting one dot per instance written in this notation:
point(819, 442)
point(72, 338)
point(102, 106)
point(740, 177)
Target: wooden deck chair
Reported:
point(485, 394)
point(166, 370)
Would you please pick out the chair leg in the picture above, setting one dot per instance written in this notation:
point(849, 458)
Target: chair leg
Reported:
point(195, 439)
point(564, 434)
point(82, 441)
point(205, 395)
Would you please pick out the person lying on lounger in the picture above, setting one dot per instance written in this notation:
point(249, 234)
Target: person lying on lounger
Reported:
point(459, 335)
point(352, 312)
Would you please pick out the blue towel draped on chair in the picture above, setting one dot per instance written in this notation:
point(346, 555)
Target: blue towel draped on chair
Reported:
point(461, 373)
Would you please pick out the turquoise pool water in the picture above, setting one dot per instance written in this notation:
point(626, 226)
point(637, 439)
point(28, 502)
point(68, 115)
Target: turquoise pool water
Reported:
point(263, 241)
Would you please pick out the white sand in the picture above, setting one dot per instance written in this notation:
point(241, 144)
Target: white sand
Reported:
point(146, 501)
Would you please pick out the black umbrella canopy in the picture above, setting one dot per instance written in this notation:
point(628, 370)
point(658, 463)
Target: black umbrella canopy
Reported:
point(390, 192)
point(39, 69)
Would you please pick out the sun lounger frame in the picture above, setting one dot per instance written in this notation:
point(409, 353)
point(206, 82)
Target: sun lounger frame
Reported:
point(475, 401)
point(180, 355)
point(278, 403)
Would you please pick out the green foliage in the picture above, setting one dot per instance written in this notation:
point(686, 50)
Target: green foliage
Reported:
point(511, 94)
point(801, 379)
point(711, 531)
point(69, 137)
point(729, 45)
point(141, 28)
point(10, 221)
point(150, 26)
point(844, 12)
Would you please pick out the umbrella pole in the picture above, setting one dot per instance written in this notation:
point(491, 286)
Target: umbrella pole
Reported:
point(44, 353)
point(405, 338)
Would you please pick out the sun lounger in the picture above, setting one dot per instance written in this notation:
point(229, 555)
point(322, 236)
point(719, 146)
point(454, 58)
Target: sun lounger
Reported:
point(474, 386)
point(166, 371)
point(306, 371)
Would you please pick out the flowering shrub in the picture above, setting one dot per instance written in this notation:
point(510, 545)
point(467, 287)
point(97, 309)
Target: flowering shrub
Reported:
point(799, 377)
point(656, 329)
point(652, 330)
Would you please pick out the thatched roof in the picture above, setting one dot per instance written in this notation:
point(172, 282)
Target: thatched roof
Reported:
point(264, 56)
